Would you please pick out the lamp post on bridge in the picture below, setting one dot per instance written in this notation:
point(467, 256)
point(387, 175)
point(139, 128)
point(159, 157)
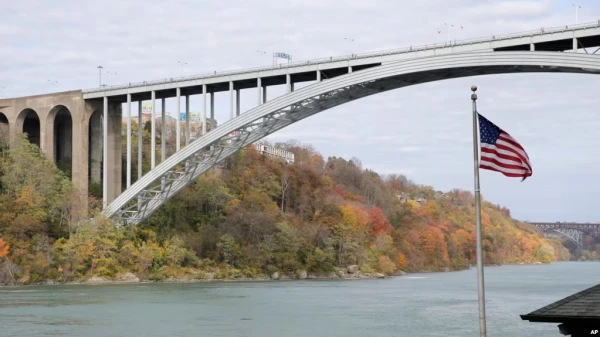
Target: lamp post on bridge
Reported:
point(100, 76)
point(182, 64)
point(576, 13)
point(448, 25)
point(351, 42)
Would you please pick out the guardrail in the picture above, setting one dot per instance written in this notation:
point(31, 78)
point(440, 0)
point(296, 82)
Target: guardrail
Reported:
point(541, 31)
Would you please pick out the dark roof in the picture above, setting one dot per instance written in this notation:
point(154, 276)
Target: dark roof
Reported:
point(584, 305)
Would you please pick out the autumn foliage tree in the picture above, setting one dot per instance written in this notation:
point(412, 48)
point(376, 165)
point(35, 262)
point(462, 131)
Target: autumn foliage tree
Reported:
point(252, 216)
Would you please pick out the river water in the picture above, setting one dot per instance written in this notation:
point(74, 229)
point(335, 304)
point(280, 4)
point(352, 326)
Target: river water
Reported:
point(432, 304)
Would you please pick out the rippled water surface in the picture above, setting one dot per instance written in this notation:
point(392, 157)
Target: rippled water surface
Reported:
point(434, 304)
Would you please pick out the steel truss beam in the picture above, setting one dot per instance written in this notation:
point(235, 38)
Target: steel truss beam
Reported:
point(572, 234)
point(151, 191)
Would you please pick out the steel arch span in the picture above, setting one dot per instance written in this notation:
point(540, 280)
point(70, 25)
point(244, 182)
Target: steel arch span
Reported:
point(160, 184)
point(574, 235)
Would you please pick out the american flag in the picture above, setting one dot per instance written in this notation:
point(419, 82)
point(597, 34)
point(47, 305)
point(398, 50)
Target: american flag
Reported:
point(502, 153)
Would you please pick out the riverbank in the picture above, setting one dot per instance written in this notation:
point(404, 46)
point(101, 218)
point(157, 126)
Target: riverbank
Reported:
point(190, 275)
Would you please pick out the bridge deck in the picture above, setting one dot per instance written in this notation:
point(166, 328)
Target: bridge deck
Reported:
point(551, 39)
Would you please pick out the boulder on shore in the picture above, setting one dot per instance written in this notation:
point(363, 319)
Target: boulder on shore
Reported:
point(302, 275)
point(378, 275)
point(128, 278)
point(96, 280)
point(353, 269)
point(275, 275)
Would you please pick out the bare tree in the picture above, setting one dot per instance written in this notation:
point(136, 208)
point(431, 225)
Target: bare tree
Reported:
point(10, 271)
point(356, 162)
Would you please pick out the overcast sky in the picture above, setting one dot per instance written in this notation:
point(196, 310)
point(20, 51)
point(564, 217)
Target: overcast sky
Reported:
point(422, 131)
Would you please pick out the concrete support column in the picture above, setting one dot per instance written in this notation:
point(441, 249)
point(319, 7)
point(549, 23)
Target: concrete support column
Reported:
point(349, 69)
point(163, 131)
point(80, 154)
point(96, 141)
point(318, 76)
point(203, 109)
point(187, 120)
point(575, 44)
point(258, 90)
point(153, 132)
point(264, 94)
point(230, 100)
point(105, 153)
point(47, 140)
point(212, 110)
point(140, 141)
point(128, 140)
point(237, 102)
point(531, 47)
point(114, 148)
point(288, 81)
point(178, 115)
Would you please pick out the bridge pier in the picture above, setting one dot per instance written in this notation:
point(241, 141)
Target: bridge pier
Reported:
point(95, 147)
point(237, 102)
point(163, 130)
point(230, 100)
point(203, 116)
point(140, 140)
point(187, 120)
point(153, 132)
point(112, 180)
point(212, 110)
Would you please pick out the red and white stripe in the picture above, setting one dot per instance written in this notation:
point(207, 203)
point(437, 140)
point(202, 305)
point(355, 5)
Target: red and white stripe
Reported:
point(507, 157)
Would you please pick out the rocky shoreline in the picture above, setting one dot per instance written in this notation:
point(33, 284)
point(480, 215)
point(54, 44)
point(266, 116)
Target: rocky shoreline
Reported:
point(350, 273)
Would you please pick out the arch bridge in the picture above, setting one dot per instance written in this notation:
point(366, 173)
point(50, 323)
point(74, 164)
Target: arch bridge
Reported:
point(82, 129)
point(571, 230)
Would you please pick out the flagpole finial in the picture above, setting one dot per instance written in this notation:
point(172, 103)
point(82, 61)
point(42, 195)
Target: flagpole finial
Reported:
point(474, 95)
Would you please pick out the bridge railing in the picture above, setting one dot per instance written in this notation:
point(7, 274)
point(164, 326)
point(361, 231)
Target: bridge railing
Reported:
point(541, 31)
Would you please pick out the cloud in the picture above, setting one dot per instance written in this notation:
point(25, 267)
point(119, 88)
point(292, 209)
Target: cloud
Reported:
point(522, 9)
point(422, 131)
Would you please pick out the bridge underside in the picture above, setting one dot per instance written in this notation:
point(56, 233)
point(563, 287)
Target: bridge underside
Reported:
point(150, 192)
point(555, 45)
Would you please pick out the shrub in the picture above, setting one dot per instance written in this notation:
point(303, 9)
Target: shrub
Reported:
point(386, 265)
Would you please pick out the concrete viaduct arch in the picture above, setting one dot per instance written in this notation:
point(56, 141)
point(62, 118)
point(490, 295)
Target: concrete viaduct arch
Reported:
point(165, 180)
point(28, 121)
point(59, 133)
point(4, 131)
point(59, 123)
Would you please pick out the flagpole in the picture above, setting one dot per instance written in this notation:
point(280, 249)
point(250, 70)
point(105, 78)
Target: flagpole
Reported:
point(480, 283)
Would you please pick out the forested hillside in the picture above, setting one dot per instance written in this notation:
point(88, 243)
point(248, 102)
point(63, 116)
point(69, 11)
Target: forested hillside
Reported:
point(253, 216)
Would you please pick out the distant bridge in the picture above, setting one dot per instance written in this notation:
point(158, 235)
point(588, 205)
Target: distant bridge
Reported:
point(572, 230)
